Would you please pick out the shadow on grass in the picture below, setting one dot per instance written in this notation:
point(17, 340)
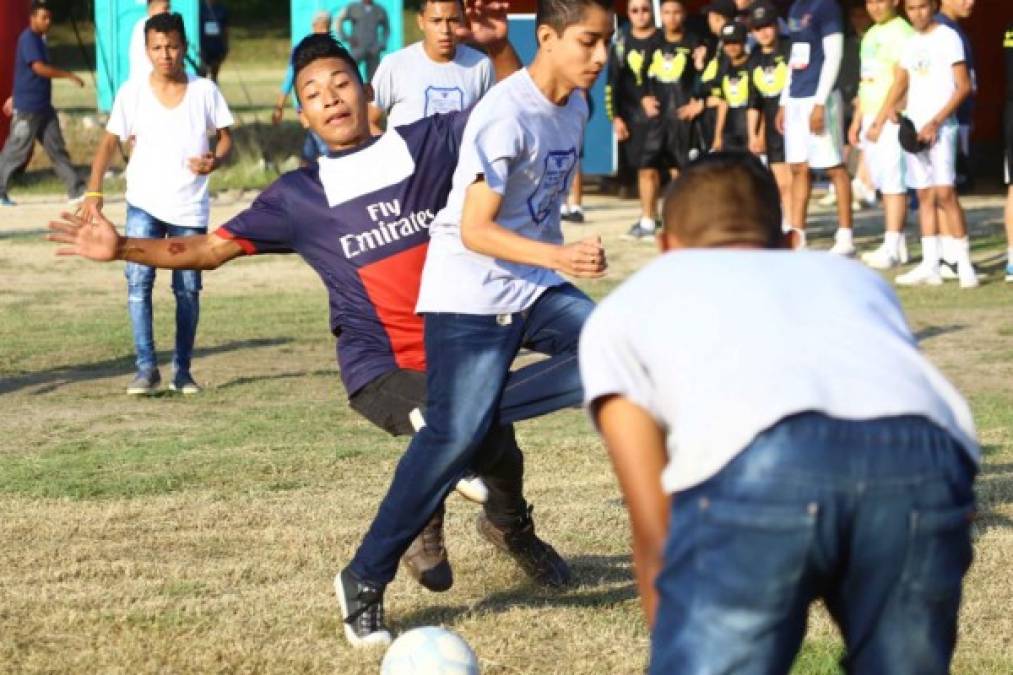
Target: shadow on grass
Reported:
point(53, 378)
point(930, 332)
point(242, 381)
point(592, 572)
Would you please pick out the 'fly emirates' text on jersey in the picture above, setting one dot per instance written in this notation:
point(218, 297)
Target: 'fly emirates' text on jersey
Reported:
point(361, 220)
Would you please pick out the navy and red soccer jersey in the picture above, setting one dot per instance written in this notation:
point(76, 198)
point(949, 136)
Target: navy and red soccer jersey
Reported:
point(361, 220)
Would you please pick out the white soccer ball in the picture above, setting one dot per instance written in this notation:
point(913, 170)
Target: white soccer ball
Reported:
point(429, 650)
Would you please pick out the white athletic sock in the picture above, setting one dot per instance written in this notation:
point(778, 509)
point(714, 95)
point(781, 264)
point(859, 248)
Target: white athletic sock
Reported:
point(1009, 255)
point(962, 251)
point(648, 224)
point(785, 225)
point(892, 242)
point(947, 249)
point(564, 209)
point(844, 235)
point(800, 238)
point(930, 252)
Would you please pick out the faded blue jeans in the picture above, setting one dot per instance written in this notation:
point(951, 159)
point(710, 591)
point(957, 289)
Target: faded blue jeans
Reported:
point(874, 517)
point(186, 284)
point(468, 359)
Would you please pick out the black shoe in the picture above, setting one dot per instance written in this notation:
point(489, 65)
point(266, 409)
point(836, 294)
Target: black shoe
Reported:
point(537, 558)
point(426, 559)
point(573, 216)
point(361, 610)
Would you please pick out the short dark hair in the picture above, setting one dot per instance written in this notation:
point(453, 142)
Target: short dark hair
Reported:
point(559, 14)
point(424, 3)
point(165, 23)
point(320, 46)
point(39, 5)
point(724, 199)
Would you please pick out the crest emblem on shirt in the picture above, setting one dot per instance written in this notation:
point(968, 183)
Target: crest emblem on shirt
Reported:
point(443, 100)
point(555, 181)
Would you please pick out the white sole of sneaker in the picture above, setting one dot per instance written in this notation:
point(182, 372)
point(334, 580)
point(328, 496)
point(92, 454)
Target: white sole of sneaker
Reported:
point(379, 639)
point(186, 391)
point(473, 489)
point(141, 392)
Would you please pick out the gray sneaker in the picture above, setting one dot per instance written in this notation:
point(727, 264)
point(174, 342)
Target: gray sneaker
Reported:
point(637, 233)
point(145, 383)
point(184, 384)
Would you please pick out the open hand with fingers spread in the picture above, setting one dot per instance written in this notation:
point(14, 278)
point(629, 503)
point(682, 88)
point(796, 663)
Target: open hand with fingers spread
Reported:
point(96, 239)
point(583, 259)
point(485, 23)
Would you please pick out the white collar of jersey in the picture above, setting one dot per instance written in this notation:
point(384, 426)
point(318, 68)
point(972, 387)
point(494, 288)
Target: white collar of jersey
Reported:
point(386, 162)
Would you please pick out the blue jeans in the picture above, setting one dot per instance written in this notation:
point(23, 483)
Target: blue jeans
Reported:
point(186, 284)
point(872, 516)
point(468, 373)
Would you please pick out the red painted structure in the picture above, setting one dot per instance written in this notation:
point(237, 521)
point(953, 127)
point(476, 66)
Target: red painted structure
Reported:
point(13, 20)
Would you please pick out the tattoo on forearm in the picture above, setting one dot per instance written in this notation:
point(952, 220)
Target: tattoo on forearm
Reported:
point(176, 247)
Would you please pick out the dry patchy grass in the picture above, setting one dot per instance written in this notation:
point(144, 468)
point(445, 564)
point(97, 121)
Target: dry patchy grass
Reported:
point(201, 535)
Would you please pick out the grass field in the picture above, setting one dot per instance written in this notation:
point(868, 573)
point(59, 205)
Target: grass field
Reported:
point(202, 534)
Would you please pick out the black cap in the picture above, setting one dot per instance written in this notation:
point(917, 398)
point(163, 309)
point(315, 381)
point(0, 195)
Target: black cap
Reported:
point(733, 32)
point(725, 8)
point(762, 13)
point(908, 136)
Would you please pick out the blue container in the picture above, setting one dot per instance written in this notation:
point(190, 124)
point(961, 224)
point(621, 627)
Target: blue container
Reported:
point(303, 11)
point(114, 23)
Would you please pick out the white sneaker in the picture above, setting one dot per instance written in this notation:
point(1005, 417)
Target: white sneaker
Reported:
point(922, 275)
point(845, 249)
point(881, 258)
point(967, 276)
point(948, 271)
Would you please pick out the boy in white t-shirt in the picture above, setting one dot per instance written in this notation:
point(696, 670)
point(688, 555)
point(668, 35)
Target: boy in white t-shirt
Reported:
point(168, 115)
point(434, 75)
point(759, 476)
point(932, 74)
point(491, 286)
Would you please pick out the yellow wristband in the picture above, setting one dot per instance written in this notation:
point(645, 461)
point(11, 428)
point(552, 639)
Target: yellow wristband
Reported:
point(93, 194)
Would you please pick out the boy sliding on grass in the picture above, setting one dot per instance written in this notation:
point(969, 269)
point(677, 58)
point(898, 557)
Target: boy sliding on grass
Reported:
point(360, 218)
point(760, 477)
point(932, 74)
point(489, 288)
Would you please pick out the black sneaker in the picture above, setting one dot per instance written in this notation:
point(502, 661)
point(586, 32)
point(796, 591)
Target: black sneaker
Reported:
point(426, 559)
point(145, 383)
point(361, 610)
point(573, 216)
point(537, 558)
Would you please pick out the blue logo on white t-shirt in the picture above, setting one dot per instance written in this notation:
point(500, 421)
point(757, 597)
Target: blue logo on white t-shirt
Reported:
point(544, 201)
point(443, 100)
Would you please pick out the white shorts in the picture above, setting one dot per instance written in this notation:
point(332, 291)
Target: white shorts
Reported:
point(884, 158)
point(936, 166)
point(820, 151)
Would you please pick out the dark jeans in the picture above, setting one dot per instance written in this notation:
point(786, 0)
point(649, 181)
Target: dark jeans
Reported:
point(872, 516)
point(44, 127)
point(186, 285)
point(469, 358)
point(388, 401)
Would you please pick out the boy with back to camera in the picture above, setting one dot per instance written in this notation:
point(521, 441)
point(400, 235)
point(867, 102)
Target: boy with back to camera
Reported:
point(490, 286)
point(761, 476)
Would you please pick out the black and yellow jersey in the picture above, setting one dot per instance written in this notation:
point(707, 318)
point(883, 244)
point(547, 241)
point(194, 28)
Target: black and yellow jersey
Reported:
point(732, 84)
point(671, 72)
point(629, 60)
point(768, 76)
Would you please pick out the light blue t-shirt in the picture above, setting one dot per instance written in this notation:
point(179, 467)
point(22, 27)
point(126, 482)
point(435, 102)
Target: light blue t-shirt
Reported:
point(526, 147)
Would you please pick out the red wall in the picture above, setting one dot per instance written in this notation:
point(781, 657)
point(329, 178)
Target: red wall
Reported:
point(13, 20)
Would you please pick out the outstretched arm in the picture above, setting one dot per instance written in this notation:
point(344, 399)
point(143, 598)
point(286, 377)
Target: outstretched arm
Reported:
point(98, 240)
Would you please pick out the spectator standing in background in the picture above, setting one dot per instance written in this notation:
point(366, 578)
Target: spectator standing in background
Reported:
point(368, 36)
point(731, 92)
point(214, 36)
point(31, 106)
point(434, 75)
point(140, 64)
point(636, 118)
point(1007, 50)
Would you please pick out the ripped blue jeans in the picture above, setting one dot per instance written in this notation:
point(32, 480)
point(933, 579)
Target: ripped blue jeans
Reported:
point(186, 284)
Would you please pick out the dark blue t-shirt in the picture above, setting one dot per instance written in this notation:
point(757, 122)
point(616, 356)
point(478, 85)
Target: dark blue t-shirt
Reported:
point(32, 93)
point(214, 21)
point(361, 220)
point(966, 110)
point(809, 21)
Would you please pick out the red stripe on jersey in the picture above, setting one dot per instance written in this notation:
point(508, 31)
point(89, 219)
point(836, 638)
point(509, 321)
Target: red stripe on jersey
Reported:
point(393, 287)
point(244, 244)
